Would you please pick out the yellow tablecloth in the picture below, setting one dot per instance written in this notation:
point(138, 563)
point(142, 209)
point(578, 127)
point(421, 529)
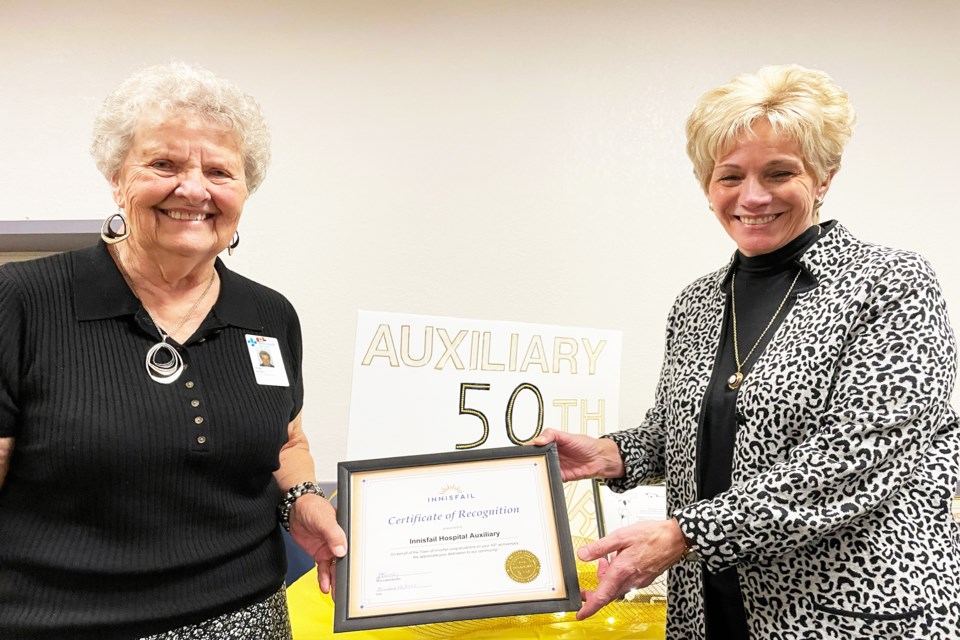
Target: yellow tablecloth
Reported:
point(311, 614)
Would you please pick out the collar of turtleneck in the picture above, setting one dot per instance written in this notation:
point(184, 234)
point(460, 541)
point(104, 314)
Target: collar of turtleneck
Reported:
point(782, 258)
point(785, 255)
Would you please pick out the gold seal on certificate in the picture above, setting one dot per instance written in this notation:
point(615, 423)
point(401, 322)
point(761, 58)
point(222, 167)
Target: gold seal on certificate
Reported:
point(522, 566)
point(454, 536)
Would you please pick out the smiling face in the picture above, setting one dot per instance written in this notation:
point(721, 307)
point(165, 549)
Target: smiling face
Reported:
point(182, 185)
point(762, 192)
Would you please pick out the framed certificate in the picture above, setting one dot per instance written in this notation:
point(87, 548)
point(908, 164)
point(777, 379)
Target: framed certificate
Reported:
point(453, 536)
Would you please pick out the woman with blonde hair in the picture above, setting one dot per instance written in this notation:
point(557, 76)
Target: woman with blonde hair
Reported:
point(802, 420)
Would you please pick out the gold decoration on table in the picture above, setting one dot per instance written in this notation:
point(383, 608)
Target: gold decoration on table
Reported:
point(641, 614)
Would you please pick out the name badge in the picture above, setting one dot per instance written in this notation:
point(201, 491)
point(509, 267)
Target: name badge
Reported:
point(267, 361)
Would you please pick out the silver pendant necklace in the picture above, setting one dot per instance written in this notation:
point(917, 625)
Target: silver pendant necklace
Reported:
point(736, 379)
point(163, 362)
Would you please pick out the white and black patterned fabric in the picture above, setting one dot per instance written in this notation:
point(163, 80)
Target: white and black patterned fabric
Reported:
point(846, 455)
point(266, 620)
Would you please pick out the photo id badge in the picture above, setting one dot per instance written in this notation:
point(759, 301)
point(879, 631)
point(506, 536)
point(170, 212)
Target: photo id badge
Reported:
point(267, 361)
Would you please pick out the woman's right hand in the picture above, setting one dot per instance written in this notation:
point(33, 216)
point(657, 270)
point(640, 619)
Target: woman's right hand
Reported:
point(637, 553)
point(313, 526)
point(583, 456)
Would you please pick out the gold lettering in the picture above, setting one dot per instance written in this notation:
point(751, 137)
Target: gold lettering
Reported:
point(580, 508)
point(409, 360)
point(564, 357)
point(383, 335)
point(450, 349)
point(569, 355)
point(485, 363)
point(535, 356)
point(564, 405)
point(598, 417)
point(593, 354)
point(474, 349)
point(514, 338)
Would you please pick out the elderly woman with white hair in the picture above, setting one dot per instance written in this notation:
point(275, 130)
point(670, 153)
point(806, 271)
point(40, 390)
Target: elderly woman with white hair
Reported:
point(147, 461)
point(802, 420)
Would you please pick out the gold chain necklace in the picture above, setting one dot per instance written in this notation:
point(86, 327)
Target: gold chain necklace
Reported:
point(165, 369)
point(736, 379)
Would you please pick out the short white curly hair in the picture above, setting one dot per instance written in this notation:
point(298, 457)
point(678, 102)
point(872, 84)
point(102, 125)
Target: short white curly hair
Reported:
point(803, 104)
point(177, 87)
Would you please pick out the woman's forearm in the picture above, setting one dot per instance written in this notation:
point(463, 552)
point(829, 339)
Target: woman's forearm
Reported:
point(6, 452)
point(296, 461)
point(612, 460)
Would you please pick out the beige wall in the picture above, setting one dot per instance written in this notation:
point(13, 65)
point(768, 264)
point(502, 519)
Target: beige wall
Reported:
point(494, 159)
point(19, 256)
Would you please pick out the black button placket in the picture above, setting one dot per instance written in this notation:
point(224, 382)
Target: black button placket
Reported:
point(191, 395)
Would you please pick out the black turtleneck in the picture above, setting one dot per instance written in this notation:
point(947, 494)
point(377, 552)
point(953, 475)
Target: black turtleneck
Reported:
point(762, 283)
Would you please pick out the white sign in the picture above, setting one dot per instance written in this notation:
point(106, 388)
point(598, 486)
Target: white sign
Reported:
point(643, 503)
point(428, 384)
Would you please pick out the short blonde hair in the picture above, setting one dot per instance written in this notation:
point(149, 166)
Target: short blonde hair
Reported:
point(174, 88)
point(803, 104)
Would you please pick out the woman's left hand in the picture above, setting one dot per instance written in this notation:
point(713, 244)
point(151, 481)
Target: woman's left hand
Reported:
point(313, 525)
point(638, 554)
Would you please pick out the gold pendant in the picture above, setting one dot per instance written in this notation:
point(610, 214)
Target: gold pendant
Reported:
point(734, 381)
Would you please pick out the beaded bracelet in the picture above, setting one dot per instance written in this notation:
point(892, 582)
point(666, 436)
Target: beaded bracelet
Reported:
point(286, 505)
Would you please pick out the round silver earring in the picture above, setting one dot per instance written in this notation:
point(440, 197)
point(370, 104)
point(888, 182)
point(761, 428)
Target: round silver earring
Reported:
point(233, 243)
point(115, 229)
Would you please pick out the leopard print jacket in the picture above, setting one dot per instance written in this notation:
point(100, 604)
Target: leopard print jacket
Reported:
point(847, 454)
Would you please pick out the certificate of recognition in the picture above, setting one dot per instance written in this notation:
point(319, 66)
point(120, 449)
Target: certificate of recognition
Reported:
point(453, 536)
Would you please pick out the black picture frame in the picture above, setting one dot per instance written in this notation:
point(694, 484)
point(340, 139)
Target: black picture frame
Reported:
point(567, 598)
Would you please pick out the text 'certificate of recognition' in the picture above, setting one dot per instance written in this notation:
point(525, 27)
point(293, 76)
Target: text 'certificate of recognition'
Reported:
point(453, 536)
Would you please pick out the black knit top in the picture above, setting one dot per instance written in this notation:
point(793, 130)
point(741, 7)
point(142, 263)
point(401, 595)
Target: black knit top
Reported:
point(132, 507)
point(762, 282)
